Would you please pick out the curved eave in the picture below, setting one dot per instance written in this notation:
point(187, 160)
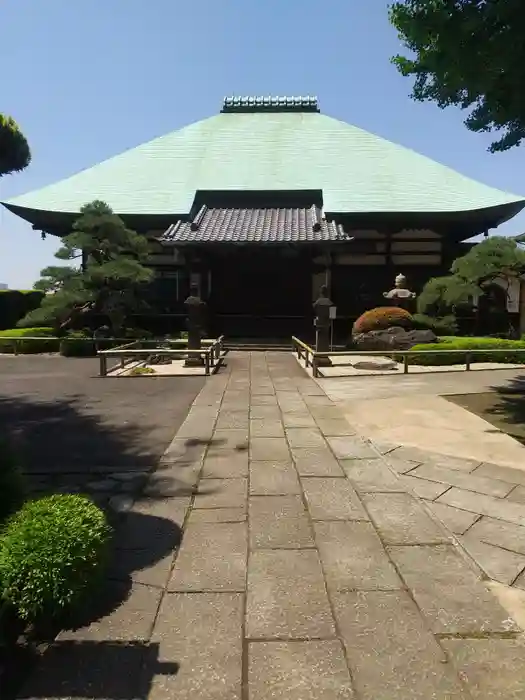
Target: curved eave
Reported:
point(461, 224)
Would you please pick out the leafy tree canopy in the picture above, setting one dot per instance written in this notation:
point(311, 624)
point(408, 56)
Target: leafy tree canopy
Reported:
point(471, 54)
point(470, 275)
point(14, 149)
point(109, 280)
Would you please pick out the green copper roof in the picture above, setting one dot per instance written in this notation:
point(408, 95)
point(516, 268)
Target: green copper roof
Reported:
point(256, 149)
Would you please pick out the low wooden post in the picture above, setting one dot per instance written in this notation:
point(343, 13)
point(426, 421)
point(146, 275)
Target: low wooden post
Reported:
point(405, 364)
point(207, 363)
point(315, 371)
point(468, 359)
point(103, 366)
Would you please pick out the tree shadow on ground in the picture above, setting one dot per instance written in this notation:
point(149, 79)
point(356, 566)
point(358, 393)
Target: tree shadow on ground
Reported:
point(57, 441)
point(85, 667)
point(98, 669)
point(503, 407)
point(59, 436)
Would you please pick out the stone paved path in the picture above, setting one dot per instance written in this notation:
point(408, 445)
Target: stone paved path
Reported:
point(308, 567)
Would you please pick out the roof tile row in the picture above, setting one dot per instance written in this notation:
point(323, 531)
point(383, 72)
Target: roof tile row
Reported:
point(272, 225)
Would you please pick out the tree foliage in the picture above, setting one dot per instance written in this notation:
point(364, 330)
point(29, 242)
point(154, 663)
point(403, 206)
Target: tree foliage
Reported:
point(14, 149)
point(471, 54)
point(471, 274)
point(108, 279)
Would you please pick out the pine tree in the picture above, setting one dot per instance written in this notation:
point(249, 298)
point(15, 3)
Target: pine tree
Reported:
point(14, 149)
point(471, 274)
point(108, 279)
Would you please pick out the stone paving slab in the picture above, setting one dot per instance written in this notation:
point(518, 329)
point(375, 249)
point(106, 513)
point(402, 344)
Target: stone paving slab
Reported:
point(212, 558)
point(133, 620)
point(298, 671)
point(305, 437)
point(499, 564)
point(333, 427)
point(485, 505)
point(451, 597)
point(219, 515)
point(353, 557)
point(202, 634)
point(500, 534)
point(400, 519)
point(287, 597)
point(351, 448)
point(221, 493)
point(264, 427)
point(493, 668)
point(269, 448)
point(517, 495)
point(428, 490)
point(332, 499)
point(457, 521)
point(227, 466)
point(273, 479)
point(316, 461)
point(279, 522)
point(392, 654)
point(462, 480)
point(371, 475)
point(299, 420)
point(437, 459)
point(495, 471)
point(231, 420)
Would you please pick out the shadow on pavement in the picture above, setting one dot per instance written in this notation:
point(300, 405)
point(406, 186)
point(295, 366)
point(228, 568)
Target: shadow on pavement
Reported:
point(503, 407)
point(88, 668)
point(59, 436)
point(98, 669)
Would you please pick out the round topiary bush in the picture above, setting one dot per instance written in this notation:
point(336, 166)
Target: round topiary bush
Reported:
point(381, 318)
point(53, 553)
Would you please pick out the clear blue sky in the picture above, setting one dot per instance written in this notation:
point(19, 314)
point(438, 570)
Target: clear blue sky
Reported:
point(87, 79)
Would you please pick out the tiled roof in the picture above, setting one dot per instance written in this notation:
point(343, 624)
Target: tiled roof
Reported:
point(255, 225)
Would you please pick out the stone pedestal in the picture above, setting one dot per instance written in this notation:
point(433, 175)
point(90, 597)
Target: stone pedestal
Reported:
point(322, 344)
point(195, 308)
point(322, 326)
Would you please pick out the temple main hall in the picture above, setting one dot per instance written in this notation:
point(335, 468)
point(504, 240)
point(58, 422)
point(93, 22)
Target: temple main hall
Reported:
point(268, 200)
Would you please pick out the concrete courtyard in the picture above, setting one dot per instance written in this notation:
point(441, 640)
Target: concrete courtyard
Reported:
point(295, 543)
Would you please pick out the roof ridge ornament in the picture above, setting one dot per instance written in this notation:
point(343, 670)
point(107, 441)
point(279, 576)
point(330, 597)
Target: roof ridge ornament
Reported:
point(268, 103)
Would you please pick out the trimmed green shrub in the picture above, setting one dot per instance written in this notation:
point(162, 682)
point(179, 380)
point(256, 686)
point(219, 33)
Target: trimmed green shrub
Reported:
point(381, 318)
point(12, 483)
point(53, 553)
point(16, 303)
point(77, 344)
point(38, 340)
point(457, 358)
point(441, 326)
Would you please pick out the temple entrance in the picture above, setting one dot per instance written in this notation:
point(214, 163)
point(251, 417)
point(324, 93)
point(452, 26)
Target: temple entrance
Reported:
point(260, 293)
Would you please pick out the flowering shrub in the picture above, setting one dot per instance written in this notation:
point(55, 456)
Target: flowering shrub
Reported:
point(381, 318)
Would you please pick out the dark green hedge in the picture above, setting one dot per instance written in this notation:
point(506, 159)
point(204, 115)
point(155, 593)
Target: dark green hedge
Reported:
point(458, 358)
point(15, 304)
